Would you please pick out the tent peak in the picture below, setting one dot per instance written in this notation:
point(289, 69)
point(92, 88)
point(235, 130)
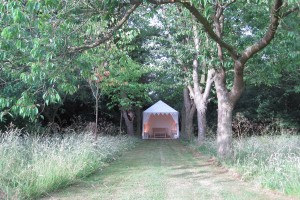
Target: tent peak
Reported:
point(160, 107)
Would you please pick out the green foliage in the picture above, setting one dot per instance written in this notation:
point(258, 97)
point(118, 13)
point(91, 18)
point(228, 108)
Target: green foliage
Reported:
point(278, 64)
point(30, 57)
point(34, 50)
point(124, 84)
point(148, 55)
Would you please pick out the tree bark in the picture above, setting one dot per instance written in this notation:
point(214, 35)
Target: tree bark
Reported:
point(225, 108)
point(138, 121)
point(201, 119)
point(97, 110)
point(224, 131)
point(189, 109)
point(182, 122)
point(121, 120)
point(95, 91)
point(128, 122)
point(189, 126)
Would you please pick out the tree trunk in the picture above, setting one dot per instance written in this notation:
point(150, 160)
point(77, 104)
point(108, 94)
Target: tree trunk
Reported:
point(121, 119)
point(97, 110)
point(138, 122)
point(188, 116)
point(226, 103)
point(182, 122)
point(189, 126)
point(128, 122)
point(198, 92)
point(224, 131)
point(201, 119)
point(95, 91)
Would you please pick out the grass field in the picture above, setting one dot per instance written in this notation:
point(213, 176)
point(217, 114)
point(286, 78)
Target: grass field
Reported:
point(32, 166)
point(270, 161)
point(159, 170)
point(77, 167)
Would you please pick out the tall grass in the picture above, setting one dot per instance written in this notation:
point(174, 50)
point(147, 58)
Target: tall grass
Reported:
point(271, 161)
point(31, 166)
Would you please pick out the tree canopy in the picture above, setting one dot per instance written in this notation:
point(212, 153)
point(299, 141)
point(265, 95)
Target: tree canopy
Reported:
point(139, 51)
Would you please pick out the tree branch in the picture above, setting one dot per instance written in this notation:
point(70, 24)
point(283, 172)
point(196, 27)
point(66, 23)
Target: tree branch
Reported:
point(208, 29)
point(192, 95)
point(108, 35)
point(209, 81)
point(197, 90)
point(290, 11)
point(228, 4)
point(159, 2)
point(268, 37)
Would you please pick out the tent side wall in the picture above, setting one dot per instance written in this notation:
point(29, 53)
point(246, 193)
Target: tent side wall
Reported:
point(168, 121)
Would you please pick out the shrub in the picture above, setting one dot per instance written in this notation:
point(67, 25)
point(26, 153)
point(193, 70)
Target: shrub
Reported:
point(104, 127)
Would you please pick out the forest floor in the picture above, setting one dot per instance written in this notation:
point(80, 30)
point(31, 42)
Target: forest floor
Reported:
point(164, 169)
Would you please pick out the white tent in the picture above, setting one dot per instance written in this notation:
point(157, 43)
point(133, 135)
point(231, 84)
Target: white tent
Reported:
point(160, 121)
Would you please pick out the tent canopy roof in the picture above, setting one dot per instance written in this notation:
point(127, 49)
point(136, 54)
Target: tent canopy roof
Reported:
point(160, 107)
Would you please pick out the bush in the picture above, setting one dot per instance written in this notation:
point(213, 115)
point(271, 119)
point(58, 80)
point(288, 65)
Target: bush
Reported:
point(244, 126)
point(31, 166)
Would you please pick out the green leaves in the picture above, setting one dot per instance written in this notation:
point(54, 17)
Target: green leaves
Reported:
point(123, 85)
point(32, 5)
point(4, 103)
point(9, 32)
point(68, 88)
point(18, 16)
point(32, 56)
point(51, 96)
point(25, 106)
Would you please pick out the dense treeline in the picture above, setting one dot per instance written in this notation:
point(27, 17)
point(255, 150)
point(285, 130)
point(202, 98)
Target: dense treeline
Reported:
point(236, 62)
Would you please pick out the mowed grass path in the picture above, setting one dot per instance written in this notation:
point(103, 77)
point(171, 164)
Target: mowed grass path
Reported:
point(163, 169)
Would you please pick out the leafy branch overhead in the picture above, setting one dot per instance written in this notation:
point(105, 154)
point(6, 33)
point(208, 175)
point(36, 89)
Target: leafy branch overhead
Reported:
point(106, 36)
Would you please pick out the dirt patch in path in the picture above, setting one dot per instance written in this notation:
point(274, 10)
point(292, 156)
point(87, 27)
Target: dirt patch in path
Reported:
point(163, 169)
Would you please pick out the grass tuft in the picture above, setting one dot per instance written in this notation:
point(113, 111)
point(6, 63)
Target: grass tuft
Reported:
point(31, 166)
point(271, 161)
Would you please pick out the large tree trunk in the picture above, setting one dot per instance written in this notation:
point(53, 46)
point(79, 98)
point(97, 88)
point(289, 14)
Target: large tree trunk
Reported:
point(182, 122)
point(189, 127)
point(129, 118)
point(226, 103)
point(201, 100)
point(189, 109)
point(224, 132)
point(138, 121)
point(201, 118)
